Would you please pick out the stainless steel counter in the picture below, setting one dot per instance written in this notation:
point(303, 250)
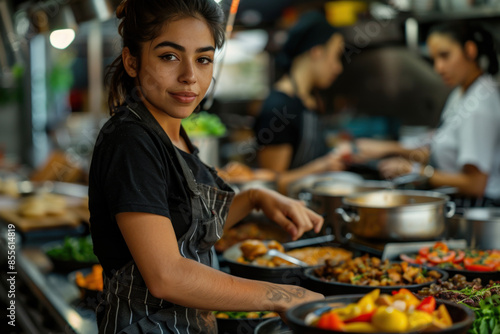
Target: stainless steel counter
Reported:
point(44, 300)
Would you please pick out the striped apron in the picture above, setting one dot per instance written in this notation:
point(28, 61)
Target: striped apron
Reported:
point(127, 305)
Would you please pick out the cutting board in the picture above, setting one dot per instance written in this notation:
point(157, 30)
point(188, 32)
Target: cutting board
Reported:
point(25, 224)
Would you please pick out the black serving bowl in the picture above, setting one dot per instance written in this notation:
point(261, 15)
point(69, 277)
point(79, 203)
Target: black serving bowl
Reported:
point(327, 288)
point(485, 276)
point(282, 275)
point(461, 315)
point(236, 326)
point(469, 275)
point(272, 326)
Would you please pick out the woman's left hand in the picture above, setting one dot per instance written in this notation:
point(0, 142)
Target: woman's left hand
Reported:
point(292, 215)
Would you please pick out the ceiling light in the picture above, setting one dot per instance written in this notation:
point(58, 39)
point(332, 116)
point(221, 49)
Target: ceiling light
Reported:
point(62, 38)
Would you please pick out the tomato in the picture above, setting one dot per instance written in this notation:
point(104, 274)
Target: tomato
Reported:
point(365, 317)
point(331, 321)
point(476, 264)
point(441, 246)
point(428, 305)
point(459, 257)
point(438, 257)
point(424, 251)
point(416, 260)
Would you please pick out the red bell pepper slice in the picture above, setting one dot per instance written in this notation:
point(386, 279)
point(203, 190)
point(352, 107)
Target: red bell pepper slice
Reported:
point(331, 321)
point(365, 317)
point(428, 305)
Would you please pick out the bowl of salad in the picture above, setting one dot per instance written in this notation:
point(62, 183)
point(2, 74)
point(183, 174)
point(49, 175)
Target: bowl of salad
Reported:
point(71, 254)
point(241, 322)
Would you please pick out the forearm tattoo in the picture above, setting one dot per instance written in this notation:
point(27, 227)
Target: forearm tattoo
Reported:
point(277, 293)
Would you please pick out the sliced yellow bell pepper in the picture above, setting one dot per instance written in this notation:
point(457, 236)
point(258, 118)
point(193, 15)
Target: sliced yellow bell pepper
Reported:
point(367, 302)
point(389, 319)
point(360, 327)
point(407, 296)
point(418, 320)
point(441, 318)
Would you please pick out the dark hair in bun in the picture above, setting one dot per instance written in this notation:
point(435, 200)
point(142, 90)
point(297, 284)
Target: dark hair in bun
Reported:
point(464, 31)
point(142, 21)
point(311, 29)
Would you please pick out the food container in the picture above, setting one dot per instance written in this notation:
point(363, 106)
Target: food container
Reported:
point(461, 315)
point(401, 215)
point(482, 227)
point(327, 288)
point(325, 197)
point(282, 275)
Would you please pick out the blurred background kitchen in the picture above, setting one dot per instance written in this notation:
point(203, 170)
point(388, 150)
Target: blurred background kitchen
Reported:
point(53, 57)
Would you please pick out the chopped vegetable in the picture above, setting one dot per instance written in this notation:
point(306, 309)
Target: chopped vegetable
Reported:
point(427, 305)
point(487, 316)
point(331, 321)
point(204, 124)
point(74, 249)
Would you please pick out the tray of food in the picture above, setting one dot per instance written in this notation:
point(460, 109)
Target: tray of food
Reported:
point(374, 312)
point(258, 230)
point(248, 259)
point(482, 297)
point(364, 273)
point(471, 263)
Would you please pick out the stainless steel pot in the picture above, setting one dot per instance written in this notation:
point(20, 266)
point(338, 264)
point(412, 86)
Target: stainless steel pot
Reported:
point(481, 227)
point(325, 197)
point(397, 214)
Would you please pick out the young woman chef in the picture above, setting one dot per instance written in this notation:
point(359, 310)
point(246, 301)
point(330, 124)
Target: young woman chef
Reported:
point(156, 209)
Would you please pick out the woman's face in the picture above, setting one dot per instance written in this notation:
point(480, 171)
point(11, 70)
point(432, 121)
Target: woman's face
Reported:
point(176, 67)
point(450, 60)
point(328, 64)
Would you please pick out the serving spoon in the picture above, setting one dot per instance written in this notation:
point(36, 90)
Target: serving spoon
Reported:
point(277, 253)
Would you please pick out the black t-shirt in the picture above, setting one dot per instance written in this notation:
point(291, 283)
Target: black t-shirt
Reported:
point(281, 121)
point(132, 171)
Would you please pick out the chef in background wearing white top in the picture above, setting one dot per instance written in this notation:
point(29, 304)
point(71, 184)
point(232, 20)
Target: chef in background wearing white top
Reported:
point(465, 150)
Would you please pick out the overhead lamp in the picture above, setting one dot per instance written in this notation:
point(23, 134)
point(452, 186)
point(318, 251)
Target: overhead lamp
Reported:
point(56, 19)
point(62, 38)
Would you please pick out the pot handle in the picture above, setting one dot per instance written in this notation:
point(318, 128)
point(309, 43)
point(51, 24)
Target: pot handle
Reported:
point(451, 208)
point(348, 218)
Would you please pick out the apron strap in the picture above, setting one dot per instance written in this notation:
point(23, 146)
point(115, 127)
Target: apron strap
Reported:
point(144, 115)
